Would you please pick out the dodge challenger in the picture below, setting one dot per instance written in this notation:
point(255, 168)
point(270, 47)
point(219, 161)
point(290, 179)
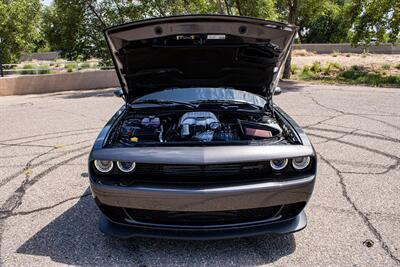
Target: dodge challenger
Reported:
point(199, 150)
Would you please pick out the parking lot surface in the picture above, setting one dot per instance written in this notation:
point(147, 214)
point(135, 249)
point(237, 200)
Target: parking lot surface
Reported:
point(48, 217)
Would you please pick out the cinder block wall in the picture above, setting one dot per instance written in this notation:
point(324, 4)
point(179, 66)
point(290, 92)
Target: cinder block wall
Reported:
point(347, 48)
point(48, 83)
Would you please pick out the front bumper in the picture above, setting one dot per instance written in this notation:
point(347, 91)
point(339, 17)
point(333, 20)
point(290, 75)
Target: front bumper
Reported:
point(206, 200)
point(280, 227)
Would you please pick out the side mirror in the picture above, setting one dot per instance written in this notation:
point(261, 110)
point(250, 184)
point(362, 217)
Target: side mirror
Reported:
point(118, 92)
point(277, 91)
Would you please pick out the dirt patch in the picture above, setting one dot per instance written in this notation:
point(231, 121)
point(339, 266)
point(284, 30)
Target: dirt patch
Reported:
point(384, 62)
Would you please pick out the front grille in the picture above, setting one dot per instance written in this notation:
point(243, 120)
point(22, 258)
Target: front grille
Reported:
point(213, 173)
point(201, 218)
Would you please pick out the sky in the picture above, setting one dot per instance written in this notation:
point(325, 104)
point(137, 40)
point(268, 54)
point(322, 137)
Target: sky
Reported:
point(47, 2)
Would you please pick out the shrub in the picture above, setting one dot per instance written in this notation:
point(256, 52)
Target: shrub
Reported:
point(70, 66)
point(28, 69)
point(70, 70)
point(359, 75)
point(43, 69)
point(293, 68)
point(85, 65)
point(335, 53)
point(386, 66)
point(306, 73)
point(316, 67)
point(397, 66)
point(331, 67)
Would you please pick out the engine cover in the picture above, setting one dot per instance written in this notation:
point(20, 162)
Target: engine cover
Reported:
point(192, 123)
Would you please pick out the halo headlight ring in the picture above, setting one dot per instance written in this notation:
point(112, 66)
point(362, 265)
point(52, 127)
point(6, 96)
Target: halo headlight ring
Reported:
point(103, 166)
point(300, 163)
point(278, 164)
point(126, 166)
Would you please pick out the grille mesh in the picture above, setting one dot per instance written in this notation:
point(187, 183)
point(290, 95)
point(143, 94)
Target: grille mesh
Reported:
point(202, 218)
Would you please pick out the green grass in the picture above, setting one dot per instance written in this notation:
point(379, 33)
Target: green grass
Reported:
point(386, 66)
point(356, 74)
point(397, 66)
point(359, 75)
point(28, 69)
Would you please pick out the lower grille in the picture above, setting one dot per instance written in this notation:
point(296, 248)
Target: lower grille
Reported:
point(202, 218)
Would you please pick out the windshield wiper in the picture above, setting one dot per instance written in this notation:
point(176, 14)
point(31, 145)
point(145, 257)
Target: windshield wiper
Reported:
point(162, 103)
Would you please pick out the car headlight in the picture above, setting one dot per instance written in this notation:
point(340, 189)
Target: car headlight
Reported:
point(103, 166)
point(278, 164)
point(300, 163)
point(126, 166)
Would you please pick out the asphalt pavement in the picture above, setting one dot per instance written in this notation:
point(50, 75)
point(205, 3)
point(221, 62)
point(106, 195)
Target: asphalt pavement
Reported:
point(48, 217)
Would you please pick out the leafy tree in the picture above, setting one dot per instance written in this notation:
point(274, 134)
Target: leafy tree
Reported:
point(19, 28)
point(375, 19)
point(257, 8)
point(319, 21)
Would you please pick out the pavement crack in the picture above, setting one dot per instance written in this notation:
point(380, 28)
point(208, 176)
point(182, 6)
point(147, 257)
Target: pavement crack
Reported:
point(341, 112)
point(383, 138)
point(7, 179)
point(15, 200)
point(363, 215)
point(9, 213)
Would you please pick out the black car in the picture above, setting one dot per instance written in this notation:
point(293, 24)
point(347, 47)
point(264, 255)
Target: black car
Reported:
point(199, 150)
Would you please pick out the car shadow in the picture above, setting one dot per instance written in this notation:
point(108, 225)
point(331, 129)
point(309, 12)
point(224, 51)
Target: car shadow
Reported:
point(73, 238)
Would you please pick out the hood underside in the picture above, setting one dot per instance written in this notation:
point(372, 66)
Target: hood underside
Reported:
point(199, 51)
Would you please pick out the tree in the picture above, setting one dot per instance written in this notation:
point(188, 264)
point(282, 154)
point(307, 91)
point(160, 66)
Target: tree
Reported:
point(257, 8)
point(375, 19)
point(19, 28)
point(319, 21)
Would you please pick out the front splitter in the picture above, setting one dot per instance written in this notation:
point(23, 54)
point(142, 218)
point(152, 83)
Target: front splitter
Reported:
point(130, 231)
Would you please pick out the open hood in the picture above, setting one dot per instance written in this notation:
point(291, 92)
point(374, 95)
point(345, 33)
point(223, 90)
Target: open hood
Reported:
point(199, 51)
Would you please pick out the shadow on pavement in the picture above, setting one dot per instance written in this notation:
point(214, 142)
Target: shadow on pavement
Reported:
point(290, 86)
point(73, 238)
point(85, 94)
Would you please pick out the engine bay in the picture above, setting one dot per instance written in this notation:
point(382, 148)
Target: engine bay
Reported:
point(141, 127)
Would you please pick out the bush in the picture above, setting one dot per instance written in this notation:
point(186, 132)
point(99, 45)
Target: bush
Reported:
point(85, 65)
point(70, 70)
point(43, 69)
point(397, 66)
point(359, 75)
point(293, 68)
point(386, 66)
point(316, 67)
point(335, 53)
point(70, 66)
point(28, 69)
point(306, 73)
